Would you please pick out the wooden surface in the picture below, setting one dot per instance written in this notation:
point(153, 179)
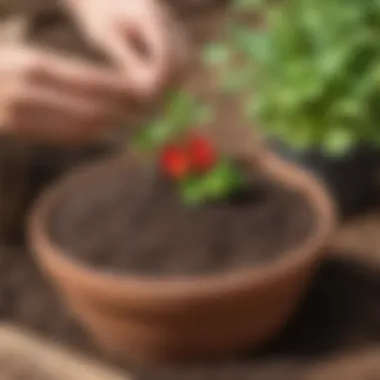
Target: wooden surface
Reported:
point(362, 365)
point(25, 356)
point(359, 239)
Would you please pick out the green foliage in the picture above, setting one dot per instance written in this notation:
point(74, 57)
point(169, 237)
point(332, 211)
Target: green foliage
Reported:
point(312, 71)
point(218, 183)
point(181, 112)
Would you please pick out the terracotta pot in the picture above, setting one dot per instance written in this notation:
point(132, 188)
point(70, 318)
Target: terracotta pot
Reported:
point(147, 318)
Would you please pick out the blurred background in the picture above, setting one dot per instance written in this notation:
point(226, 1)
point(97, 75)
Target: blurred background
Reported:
point(335, 333)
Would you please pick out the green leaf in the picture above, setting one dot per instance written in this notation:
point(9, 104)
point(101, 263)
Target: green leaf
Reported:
point(249, 5)
point(236, 80)
point(337, 141)
point(215, 185)
point(141, 141)
point(216, 54)
point(300, 140)
point(204, 115)
point(148, 138)
point(180, 110)
point(348, 108)
point(252, 44)
point(192, 191)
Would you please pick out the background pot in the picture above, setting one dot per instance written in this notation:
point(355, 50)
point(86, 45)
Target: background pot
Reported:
point(351, 179)
point(191, 317)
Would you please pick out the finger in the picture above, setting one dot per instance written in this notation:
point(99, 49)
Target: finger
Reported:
point(77, 76)
point(173, 57)
point(121, 50)
point(66, 129)
point(139, 78)
point(165, 49)
point(51, 115)
point(153, 34)
point(181, 48)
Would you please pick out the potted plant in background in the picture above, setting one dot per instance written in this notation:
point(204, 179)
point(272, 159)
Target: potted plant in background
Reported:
point(169, 253)
point(311, 73)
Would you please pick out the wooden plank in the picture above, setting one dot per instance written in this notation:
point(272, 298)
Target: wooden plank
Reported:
point(24, 354)
point(361, 365)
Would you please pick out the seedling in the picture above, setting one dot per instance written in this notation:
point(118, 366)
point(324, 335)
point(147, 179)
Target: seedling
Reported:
point(186, 156)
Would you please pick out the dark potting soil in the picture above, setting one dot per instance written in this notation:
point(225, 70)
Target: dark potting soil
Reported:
point(129, 219)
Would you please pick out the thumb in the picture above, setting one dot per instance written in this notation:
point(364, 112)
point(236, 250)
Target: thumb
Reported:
point(142, 74)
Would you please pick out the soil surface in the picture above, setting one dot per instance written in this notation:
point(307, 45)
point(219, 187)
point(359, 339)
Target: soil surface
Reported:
point(130, 218)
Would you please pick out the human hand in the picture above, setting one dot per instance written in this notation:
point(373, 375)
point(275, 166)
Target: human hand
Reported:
point(138, 36)
point(49, 97)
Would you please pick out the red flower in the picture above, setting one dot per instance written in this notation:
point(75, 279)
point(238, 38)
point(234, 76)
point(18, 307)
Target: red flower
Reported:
point(202, 153)
point(175, 161)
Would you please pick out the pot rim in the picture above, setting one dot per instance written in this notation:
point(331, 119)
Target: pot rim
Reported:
point(54, 258)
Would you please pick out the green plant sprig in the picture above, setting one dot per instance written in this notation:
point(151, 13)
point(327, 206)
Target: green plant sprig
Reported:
point(185, 155)
point(312, 73)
